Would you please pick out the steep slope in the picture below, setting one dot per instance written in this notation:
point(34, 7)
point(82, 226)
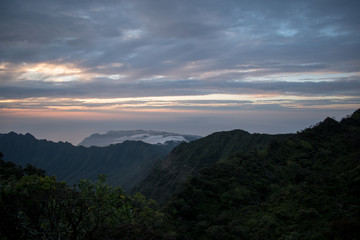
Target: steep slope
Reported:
point(307, 187)
point(125, 164)
point(151, 137)
point(188, 158)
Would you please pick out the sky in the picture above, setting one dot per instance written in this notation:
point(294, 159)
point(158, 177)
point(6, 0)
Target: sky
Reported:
point(72, 68)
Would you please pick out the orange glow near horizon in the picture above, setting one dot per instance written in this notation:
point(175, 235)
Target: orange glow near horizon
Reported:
point(106, 107)
point(125, 114)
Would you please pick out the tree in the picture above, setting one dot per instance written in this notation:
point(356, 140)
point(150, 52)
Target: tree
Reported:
point(39, 207)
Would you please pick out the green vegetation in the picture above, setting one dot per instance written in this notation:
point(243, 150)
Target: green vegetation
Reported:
point(306, 187)
point(36, 206)
point(125, 164)
point(300, 186)
point(188, 158)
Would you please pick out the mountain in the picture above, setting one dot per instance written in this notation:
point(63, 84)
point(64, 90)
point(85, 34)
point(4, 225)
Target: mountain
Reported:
point(151, 137)
point(295, 186)
point(188, 158)
point(304, 187)
point(125, 164)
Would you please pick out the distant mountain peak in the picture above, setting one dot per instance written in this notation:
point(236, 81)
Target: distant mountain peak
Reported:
point(29, 135)
point(147, 136)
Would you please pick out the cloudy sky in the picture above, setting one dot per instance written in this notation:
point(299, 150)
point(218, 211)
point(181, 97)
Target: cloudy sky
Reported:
point(72, 68)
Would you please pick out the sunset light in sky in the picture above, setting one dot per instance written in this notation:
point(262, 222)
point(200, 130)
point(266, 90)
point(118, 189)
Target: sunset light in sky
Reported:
point(72, 68)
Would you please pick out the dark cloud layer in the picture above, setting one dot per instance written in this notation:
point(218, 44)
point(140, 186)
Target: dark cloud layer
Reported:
point(297, 50)
point(108, 89)
point(145, 34)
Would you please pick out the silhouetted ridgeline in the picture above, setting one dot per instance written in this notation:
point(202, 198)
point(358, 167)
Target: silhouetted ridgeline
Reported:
point(229, 185)
point(150, 136)
point(125, 164)
point(188, 158)
point(305, 187)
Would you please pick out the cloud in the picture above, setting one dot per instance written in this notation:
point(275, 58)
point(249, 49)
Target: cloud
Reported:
point(228, 32)
point(59, 54)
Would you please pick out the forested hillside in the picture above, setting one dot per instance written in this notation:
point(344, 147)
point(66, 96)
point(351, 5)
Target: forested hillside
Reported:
point(36, 206)
point(188, 158)
point(305, 187)
point(125, 164)
point(300, 186)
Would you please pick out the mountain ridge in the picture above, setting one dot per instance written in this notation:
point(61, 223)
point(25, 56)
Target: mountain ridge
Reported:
point(147, 136)
point(125, 163)
point(303, 187)
point(297, 186)
point(188, 158)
